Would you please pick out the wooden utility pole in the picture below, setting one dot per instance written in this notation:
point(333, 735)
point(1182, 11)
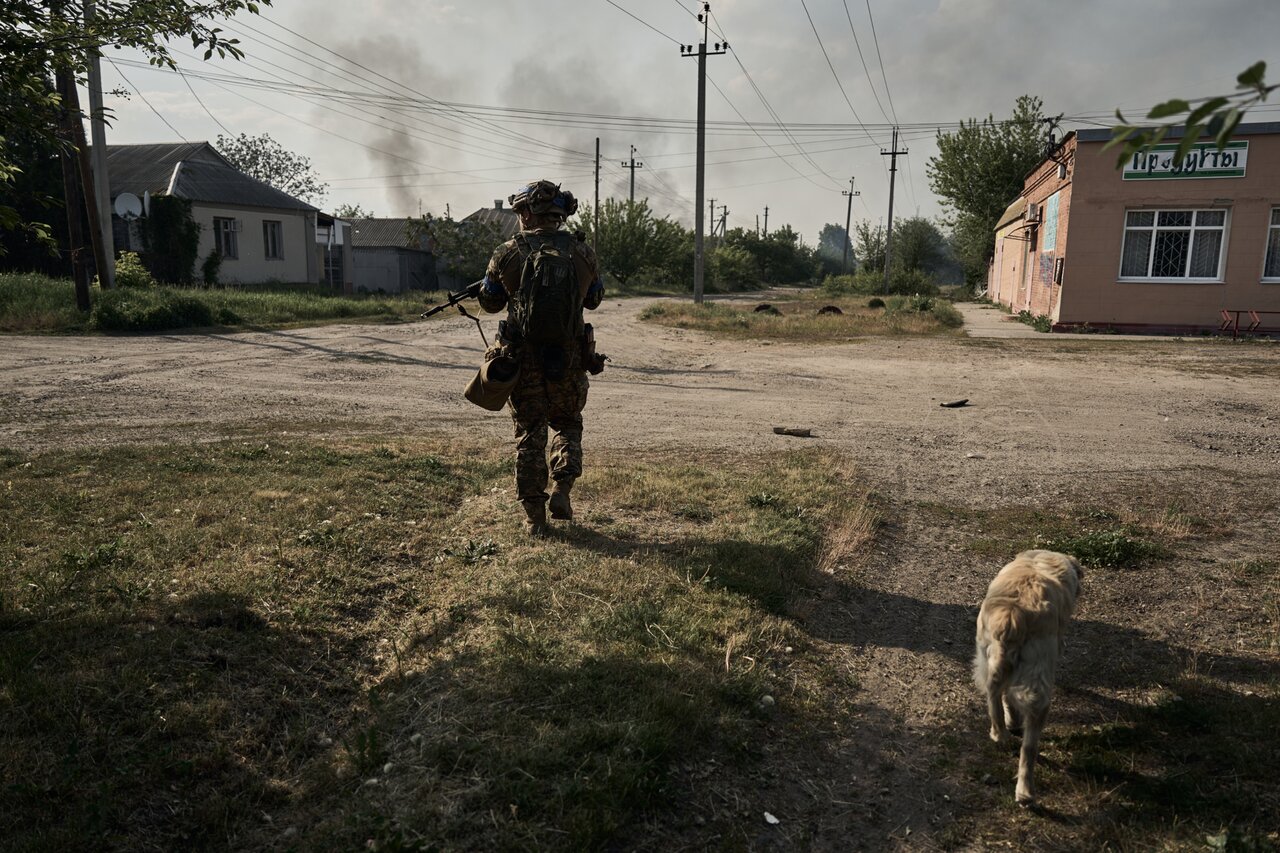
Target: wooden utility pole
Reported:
point(633, 165)
point(766, 220)
point(724, 216)
point(64, 80)
point(702, 53)
point(892, 154)
point(848, 218)
point(101, 184)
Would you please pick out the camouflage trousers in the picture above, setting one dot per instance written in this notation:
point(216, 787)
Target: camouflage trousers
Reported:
point(536, 404)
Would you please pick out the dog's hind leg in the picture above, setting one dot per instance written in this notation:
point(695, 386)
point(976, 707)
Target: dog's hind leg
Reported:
point(1033, 722)
point(1012, 719)
point(995, 698)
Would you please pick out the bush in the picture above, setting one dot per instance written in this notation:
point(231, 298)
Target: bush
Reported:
point(1039, 322)
point(869, 282)
point(210, 268)
point(733, 268)
point(1118, 548)
point(131, 273)
point(124, 310)
point(942, 311)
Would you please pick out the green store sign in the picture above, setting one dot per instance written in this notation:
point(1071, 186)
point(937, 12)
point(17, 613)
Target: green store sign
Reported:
point(1204, 160)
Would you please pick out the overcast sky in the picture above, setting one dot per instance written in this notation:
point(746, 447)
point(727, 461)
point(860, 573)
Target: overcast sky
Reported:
point(944, 60)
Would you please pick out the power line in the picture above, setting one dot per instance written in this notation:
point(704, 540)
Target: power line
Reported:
point(200, 102)
point(814, 27)
point(138, 92)
point(671, 39)
point(863, 59)
point(880, 57)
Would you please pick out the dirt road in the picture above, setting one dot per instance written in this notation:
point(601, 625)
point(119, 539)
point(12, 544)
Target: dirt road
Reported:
point(1051, 420)
point(1041, 411)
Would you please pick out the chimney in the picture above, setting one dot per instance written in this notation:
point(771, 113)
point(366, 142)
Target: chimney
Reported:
point(497, 204)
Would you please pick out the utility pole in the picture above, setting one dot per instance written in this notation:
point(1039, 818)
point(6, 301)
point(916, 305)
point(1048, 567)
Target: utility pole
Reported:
point(848, 217)
point(724, 215)
point(702, 54)
point(74, 200)
point(101, 186)
point(757, 225)
point(766, 220)
point(595, 208)
point(633, 165)
point(892, 154)
point(711, 216)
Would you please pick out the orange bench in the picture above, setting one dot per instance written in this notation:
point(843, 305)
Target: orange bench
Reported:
point(1231, 322)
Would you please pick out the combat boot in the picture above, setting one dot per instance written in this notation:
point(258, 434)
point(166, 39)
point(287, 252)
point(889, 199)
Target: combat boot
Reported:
point(561, 508)
point(535, 522)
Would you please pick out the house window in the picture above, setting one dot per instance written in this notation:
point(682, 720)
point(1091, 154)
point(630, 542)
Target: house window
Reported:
point(271, 240)
point(1173, 244)
point(225, 237)
point(1272, 267)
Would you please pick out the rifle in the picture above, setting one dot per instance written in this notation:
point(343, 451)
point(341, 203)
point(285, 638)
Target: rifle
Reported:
point(456, 298)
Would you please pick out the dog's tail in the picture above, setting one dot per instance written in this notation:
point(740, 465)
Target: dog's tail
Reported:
point(1005, 628)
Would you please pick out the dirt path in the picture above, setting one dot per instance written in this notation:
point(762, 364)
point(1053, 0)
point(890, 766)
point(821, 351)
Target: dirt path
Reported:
point(1048, 420)
point(1042, 412)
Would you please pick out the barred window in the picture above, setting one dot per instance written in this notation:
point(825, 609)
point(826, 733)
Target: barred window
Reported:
point(1173, 244)
point(1272, 267)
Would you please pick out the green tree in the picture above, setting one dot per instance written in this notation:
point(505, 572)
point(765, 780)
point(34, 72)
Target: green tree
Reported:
point(781, 257)
point(919, 245)
point(1217, 115)
point(263, 158)
point(833, 243)
point(980, 167)
point(631, 238)
point(463, 247)
point(40, 38)
point(870, 246)
point(352, 211)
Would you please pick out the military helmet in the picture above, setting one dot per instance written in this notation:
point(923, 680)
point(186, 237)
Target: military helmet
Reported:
point(543, 198)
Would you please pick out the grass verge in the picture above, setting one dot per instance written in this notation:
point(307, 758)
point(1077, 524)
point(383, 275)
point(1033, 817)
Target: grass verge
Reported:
point(312, 645)
point(799, 320)
point(34, 303)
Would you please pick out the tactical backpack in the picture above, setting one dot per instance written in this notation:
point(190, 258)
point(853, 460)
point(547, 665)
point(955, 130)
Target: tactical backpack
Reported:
point(547, 309)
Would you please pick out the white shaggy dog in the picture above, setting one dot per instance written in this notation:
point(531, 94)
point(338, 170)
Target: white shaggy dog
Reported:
point(1020, 636)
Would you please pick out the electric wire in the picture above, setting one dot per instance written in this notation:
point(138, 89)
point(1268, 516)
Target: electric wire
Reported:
point(880, 57)
point(138, 92)
point(863, 59)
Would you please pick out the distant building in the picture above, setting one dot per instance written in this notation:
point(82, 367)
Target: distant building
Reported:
point(390, 256)
point(506, 220)
point(1153, 246)
point(263, 234)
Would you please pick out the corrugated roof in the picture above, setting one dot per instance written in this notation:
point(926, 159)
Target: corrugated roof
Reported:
point(192, 170)
point(384, 233)
point(507, 220)
point(1012, 212)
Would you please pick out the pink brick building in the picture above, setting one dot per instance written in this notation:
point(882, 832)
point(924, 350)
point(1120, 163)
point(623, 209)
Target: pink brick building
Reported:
point(1154, 246)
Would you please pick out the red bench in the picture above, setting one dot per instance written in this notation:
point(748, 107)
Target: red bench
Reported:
point(1231, 322)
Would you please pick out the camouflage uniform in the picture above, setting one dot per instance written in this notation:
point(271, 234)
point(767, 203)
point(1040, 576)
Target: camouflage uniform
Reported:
point(537, 402)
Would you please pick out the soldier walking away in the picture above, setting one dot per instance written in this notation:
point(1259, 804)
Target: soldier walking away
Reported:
point(545, 277)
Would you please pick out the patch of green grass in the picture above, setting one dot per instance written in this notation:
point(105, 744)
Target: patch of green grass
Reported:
point(30, 303)
point(1114, 547)
point(798, 320)
point(354, 641)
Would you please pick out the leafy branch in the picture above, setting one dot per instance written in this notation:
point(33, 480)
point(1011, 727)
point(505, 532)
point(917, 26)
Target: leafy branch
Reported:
point(1218, 116)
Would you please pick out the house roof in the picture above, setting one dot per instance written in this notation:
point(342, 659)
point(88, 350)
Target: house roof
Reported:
point(384, 234)
point(1012, 212)
point(191, 170)
point(507, 220)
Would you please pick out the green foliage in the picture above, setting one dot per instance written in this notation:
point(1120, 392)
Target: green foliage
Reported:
point(633, 243)
point(123, 310)
point(352, 211)
point(131, 273)
point(1215, 116)
point(869, 281)
point(38, 38)
point(834, 244)
point(464, 247)
point(30, 302)
point(172, 239)
point(1039, 322)
point(210, 268)
point(780, 256)
point(870, 247)
point(263, 158)
point(733, 268)
point(1117, 547)
point(979, 169)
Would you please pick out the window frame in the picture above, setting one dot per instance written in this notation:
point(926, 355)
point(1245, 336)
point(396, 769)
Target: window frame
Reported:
point(1155, 228)
point(1273, 225)
point(226, 237)
point(279, 239)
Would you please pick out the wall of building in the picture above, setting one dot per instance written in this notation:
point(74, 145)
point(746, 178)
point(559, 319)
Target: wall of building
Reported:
point(252, 266)
point(392, 270)
point(1093, 291)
